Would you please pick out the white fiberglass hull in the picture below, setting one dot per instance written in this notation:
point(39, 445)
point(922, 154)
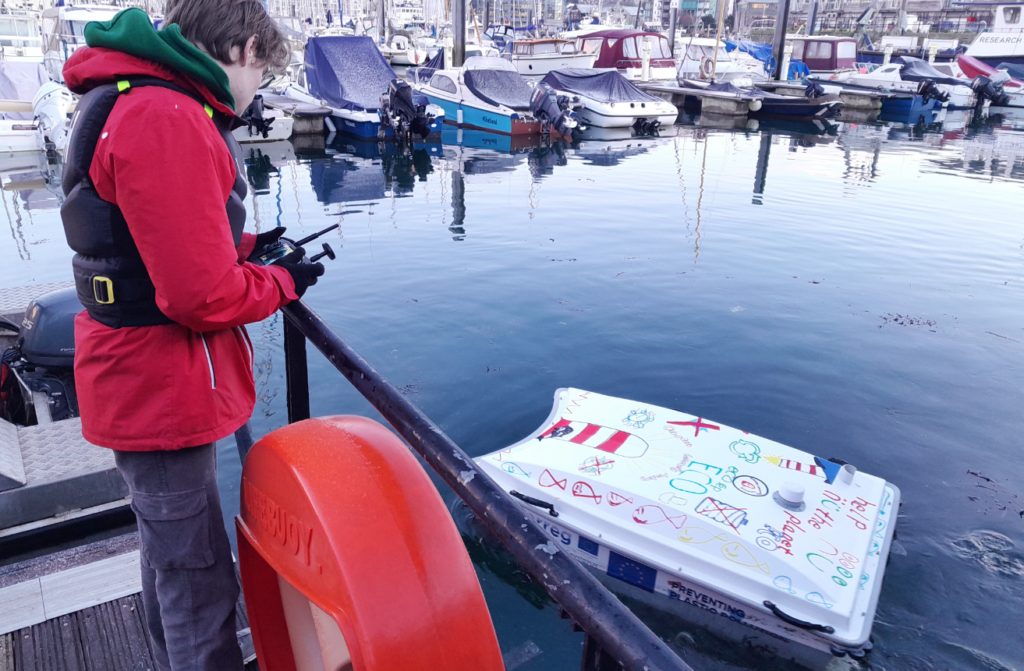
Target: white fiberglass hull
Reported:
point(608, 119)
point(695, 516)
point(20, 136)
point(538, 66)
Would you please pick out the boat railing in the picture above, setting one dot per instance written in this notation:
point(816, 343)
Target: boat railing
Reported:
point(614, 636)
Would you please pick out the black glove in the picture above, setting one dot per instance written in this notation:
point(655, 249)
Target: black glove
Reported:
point(303, 273)
point(264, 239)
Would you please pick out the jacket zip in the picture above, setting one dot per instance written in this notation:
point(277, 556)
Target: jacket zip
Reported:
point(209, 360)
point(248, 346)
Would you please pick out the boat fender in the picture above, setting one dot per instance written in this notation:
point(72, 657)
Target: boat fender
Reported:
point(754, 105)
point(350, 559)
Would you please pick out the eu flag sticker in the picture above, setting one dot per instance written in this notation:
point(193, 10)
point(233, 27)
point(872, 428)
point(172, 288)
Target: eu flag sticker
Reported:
point(631, 571)
point(587, 545)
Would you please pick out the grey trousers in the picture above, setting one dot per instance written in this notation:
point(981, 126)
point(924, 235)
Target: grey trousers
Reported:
point(189, 588)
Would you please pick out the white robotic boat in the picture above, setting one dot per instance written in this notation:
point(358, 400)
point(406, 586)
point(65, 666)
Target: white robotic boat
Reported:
point(759, 542)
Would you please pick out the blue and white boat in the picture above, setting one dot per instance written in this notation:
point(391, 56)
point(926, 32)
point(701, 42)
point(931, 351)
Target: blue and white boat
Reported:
point(486, 94)
point(349, 76)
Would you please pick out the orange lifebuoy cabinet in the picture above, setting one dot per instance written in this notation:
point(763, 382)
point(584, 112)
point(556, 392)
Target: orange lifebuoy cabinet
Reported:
point(349, 558)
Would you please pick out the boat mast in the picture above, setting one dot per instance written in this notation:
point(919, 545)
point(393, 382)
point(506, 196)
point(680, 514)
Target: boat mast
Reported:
point(718, 38)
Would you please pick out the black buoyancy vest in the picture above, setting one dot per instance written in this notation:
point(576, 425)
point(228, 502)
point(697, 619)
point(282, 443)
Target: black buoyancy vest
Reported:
point(112, 281)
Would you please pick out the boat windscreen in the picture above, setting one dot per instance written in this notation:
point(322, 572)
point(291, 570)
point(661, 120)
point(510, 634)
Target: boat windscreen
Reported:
point(917, 70)
point(499, 87)
point(606, 86)
point(347, 72)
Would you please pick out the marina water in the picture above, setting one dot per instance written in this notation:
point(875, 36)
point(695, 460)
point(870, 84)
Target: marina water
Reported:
point(852, 290)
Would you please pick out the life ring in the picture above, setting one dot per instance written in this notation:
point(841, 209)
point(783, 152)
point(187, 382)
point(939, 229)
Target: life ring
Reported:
point(707, 68)
point(343, 540)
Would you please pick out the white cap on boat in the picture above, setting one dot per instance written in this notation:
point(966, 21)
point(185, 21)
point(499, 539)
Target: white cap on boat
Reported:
point(846, 473)
point(790, 496)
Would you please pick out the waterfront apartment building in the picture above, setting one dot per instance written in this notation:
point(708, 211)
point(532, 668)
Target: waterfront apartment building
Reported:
point(841, 15)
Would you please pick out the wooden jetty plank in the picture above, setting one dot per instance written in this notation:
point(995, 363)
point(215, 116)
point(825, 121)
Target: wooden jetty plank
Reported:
point(114, 637)
point(7, 652)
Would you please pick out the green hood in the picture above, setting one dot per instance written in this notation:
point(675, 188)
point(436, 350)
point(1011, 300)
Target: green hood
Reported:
point(132, 32)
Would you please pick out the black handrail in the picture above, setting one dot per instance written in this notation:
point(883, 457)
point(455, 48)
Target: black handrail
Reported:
point(612, 629)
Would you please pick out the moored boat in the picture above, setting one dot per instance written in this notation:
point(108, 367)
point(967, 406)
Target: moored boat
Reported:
point(487, 94)
point(627, 50)
point(1014, 87)
point(612, 101)
point(536, 58)
point(762, 543)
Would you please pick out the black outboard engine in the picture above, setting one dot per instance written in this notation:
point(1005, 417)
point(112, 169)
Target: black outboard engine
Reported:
point(646, 126)
point(929, 90)
point(553, 110)
point(400, 112)
point(39, 370)
point(253, 117)
point(814, 90)
point(991, 88)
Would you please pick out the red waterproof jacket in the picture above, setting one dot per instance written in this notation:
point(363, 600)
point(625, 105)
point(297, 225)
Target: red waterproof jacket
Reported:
point(161, 160)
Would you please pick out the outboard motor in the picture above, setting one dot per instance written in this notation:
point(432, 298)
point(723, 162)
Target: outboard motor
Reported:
point(553, 110)
point(402, 113)
point(253, 116)
point(38, 371)
point(646, 126)
point(50, 105)
point(929, 90)
point(991, 88)
point(814, 90)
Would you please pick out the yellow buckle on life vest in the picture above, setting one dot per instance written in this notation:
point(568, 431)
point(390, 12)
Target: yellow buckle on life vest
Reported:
point(102, 288)
point(209, 110)
point(123, 85)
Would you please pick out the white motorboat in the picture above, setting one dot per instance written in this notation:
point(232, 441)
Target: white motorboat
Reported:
point(770, 546)
point(612, 101)
point(262, 124)
point(63, 29)
point(910, 75)
point(699, 62)
point(402, 49)
point(536, 58)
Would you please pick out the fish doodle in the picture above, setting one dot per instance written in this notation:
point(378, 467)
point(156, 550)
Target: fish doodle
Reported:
point(738, 554)
point(785, 583)
point(700, 535)
point(819, 599)
point(617, 499)
point(656, 515)
point(548, 480)
point(583, 490)
point(497, 456)
point(514, 469)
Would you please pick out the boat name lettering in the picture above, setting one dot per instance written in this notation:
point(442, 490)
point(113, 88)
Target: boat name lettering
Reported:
point(680, 592)
point(999, 40)
point(279, 523)
point(490, 120)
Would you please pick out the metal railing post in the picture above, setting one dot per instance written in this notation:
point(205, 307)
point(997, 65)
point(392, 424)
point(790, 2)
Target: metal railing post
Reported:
point(617, 633)
point(296, 373)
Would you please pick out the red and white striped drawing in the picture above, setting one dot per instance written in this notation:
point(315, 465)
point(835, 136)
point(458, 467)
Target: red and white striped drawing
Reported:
point(604, 438)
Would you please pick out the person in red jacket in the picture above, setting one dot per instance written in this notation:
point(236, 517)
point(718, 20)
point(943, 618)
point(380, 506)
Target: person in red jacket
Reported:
point(163, 364)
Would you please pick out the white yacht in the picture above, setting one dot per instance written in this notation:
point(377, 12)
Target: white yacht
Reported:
point(536, 58)
point(699, 61)
point(19, 37)
point(63, 33)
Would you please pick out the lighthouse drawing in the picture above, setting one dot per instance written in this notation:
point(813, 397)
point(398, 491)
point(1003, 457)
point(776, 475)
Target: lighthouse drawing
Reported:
point(604, 438)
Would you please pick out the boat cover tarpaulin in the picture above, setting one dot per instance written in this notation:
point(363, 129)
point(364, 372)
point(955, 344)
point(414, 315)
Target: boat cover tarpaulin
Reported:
point(606, 86)
point(20, 81)
point(918, 70)
point(763, 53)
point(1014, 70)
point(500, 87)
point(347, 72)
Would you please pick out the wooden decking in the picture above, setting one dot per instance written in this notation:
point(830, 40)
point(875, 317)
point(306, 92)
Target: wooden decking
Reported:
point(110, 636)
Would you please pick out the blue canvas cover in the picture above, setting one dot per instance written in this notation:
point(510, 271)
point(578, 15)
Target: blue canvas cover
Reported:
point(763, 53)
point(347, 72)
point(1015, 70)
point(500, 87)
point(606, 86)
point(918, 70)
